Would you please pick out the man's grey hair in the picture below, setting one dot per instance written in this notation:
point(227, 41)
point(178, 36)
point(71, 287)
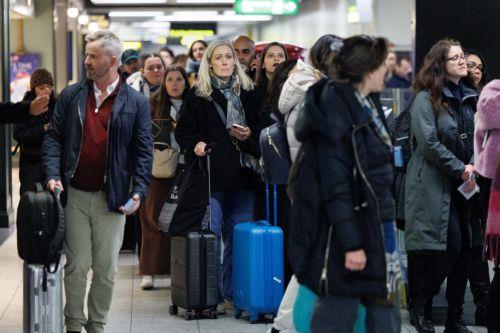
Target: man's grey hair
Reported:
point(108, 41)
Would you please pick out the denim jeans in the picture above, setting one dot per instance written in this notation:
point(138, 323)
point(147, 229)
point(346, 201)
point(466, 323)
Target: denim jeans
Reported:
point(229, 208)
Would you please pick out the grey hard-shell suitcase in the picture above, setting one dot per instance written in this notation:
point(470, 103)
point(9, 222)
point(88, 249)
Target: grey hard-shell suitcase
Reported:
point(42, 300)
point(194, 269)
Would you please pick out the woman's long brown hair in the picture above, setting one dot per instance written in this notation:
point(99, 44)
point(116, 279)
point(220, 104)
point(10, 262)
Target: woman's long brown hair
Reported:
point(160, 101)
point(432, 75)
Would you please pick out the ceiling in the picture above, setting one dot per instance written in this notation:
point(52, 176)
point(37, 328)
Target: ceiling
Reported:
point(150, 20)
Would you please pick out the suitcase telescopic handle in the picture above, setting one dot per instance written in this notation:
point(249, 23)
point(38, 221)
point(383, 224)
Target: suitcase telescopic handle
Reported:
point(208, 151)
point(275, 204)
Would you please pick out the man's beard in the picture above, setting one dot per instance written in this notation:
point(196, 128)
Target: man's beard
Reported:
point(93, 74)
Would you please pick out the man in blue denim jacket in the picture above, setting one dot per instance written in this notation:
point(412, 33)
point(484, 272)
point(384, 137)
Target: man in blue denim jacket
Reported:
point(98, 151)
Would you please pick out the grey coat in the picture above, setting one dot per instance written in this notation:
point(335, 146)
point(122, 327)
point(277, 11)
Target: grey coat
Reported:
point(432, 171)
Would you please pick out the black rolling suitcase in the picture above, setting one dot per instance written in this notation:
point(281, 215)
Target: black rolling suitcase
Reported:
point(193, 268)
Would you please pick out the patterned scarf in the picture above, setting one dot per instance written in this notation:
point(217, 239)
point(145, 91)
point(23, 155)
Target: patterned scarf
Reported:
point(377, 122)
point(493, 222)
point(231, 91)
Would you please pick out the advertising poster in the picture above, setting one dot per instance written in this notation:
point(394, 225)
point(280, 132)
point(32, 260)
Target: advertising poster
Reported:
point(21, 67)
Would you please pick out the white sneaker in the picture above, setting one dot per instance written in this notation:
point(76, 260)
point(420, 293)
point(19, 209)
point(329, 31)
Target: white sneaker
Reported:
point(148, 282)
point(221, 308)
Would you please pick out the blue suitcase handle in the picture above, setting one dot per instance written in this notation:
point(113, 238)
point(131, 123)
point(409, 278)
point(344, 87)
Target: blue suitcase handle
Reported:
point(275, 204)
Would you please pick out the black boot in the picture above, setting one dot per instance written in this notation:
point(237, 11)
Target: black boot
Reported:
point(421, 323)
point(454, 322)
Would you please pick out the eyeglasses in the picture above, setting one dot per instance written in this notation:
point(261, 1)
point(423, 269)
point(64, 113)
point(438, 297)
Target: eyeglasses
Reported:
point(472, 65)
point(457, 58)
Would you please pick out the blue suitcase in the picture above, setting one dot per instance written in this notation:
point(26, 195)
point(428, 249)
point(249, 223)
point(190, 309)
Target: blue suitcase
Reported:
point(258, 266)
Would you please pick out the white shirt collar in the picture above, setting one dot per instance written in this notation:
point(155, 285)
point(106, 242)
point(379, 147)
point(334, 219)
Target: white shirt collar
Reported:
point(109, 91)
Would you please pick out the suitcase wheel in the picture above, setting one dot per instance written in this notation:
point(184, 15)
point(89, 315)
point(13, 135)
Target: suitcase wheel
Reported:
point(237, 313)
point(189, 315)
point(213, 314)
point(254, 318)
point(173, 310)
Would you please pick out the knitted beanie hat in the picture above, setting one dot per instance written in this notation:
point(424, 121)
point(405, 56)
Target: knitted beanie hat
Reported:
point(41, 76)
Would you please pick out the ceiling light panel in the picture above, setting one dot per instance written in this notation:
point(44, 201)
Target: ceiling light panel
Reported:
point(197, 2)
point(128, 2)
point(135, 14)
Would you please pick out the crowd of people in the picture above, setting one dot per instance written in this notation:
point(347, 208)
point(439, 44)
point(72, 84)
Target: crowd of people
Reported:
point(95, 142)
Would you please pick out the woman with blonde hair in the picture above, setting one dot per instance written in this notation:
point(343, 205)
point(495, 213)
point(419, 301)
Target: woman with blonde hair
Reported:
point(221, 110)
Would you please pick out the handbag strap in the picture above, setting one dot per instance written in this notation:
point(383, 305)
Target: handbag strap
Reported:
point(221, 113)
point(224, 121)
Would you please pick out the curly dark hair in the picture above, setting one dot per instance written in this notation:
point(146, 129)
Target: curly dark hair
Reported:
point(360, 55)
point(432, 75)
point(160, 101)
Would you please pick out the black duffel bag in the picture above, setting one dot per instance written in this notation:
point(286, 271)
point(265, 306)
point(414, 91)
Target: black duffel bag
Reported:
point(40, 227)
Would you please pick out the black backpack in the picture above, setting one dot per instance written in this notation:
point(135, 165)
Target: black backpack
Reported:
point(402, 139)
point(275, 151)
point(40, 228)
point(401, 136)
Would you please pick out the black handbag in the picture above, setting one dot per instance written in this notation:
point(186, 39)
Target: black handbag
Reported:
point(192, 212)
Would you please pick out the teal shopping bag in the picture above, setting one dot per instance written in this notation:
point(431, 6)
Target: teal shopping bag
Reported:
point(304, 307)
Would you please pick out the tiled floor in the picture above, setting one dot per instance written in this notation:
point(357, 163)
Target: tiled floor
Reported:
point(133, 310)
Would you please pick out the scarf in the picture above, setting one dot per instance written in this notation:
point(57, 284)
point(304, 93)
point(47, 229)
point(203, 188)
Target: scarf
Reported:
point(493, 222)
point(231, 91)
point(378, 125)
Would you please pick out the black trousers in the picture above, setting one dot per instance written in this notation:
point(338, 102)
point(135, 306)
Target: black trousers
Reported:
point(479, 276)
point(427, 270)
point(493, 304)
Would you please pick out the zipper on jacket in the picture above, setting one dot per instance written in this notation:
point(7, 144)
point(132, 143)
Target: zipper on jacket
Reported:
point(370, 188)
point(361, 172)
point(107, 149)
point(81, 142)
point(323, 283)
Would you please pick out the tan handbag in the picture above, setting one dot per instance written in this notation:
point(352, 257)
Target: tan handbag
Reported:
point(165, 161)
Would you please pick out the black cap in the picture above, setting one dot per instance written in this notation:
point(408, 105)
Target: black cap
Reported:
point(129, 55)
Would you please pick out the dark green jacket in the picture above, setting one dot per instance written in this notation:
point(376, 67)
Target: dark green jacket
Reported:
point(433, 170)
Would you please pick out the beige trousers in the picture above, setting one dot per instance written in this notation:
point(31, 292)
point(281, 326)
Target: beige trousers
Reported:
point(93, 239)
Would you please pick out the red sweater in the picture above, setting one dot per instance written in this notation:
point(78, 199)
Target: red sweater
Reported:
point(91, 168)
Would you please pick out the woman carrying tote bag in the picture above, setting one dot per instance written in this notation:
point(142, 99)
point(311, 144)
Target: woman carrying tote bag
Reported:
point(165, 105)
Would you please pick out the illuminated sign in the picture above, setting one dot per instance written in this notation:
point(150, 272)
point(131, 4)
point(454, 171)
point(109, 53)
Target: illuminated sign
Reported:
point(267, 7)
point(188, 36)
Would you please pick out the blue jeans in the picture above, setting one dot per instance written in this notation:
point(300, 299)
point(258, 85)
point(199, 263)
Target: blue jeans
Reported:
point(229, 208)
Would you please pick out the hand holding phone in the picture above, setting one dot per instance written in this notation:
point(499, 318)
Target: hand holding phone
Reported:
point(239, 126)
point(131, 206)
point(239, 132)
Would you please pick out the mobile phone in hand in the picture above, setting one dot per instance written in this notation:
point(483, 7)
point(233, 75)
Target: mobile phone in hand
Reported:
point(238, 126)
point(129, 206)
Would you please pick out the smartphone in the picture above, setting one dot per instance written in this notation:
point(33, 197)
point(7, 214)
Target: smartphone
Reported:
point(129, 206)
point(239, 126)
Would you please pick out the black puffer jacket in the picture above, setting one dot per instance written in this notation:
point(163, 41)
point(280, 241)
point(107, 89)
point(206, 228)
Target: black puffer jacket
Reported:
point(29, 135)
point(343, 187)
